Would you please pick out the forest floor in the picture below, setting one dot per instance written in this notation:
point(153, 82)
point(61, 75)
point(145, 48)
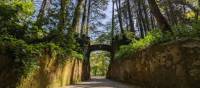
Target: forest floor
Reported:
point(100, 82)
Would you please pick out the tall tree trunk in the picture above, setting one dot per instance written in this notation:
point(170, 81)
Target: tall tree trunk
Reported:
point(172, 12)
point(146, 15)
point(63, 14)
point(74, 27)
point(118, 4)
point(108, 75)
point(159, 17)
point(83, 25)
point(167, 12)
point(113, 20)
point(126, 20)
point(142, 19)
point(152, 21)
point(141, 29)
point(130, 16)
point(41, 14)
point(84, 30)
point(184, 12)
point(77, 15)
point(88, 17)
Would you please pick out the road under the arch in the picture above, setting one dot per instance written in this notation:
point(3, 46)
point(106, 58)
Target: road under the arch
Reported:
point(101, 82)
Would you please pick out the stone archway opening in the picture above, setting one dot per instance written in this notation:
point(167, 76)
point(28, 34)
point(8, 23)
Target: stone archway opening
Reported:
point(99, 63)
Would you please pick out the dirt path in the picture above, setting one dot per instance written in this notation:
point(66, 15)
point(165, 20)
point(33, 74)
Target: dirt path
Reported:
point(100, 82)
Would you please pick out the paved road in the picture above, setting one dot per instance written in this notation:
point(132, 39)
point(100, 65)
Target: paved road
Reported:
point(100, 82)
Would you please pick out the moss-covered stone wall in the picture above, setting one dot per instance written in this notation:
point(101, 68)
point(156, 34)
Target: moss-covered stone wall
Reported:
point(171, 65)
point(51, 73)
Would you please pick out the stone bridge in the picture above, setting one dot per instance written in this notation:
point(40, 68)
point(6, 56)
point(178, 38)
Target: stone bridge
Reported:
point(104, 47)
point(97, 47)
point(86, 62)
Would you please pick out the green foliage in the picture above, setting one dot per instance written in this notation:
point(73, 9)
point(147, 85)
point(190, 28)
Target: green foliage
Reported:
point(73, 47)
point(15, 26)
point(25, 56)
point(184, 31)
point(151, 38)
point(156, 36)
point(77, 55)
point(15, 9)
point(99, 63)
point(104, 38)
point(130, 35)
point(34, 33)
point(22, 54)
point(14, 16)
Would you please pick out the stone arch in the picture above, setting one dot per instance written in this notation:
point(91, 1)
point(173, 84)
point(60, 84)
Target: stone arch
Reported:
point(86, 62)
point(102, 47)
